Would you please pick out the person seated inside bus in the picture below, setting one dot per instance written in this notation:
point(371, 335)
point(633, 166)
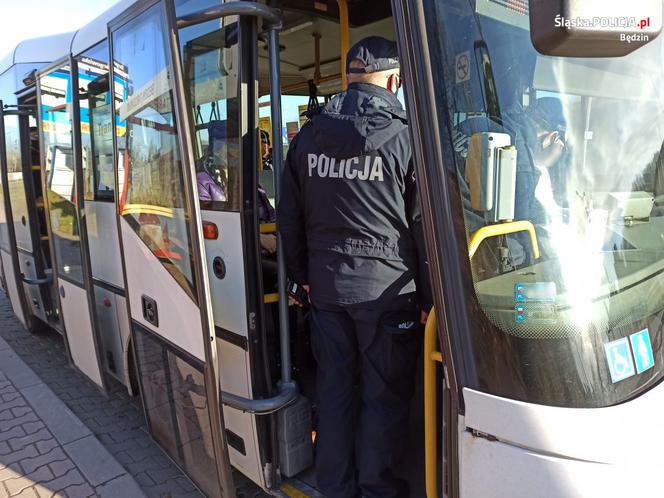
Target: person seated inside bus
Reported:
point(538, 132)
point(539, 135)
point(212, 178)
point(266, 151)
point(209, 168)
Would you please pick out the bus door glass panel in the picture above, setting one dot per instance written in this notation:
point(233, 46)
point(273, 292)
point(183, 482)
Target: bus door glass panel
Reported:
point(34, 161)
point(56, 133)
point(156, 240)
point(589, 140)
point(16, 184)
point(41, 239)
point(96, 122)
point(210, 55)
point(4, 232)
point(10, 266)
point(23, 222)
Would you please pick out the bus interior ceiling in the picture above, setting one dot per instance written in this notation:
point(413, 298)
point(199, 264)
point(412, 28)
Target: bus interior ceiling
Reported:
point(302, 23)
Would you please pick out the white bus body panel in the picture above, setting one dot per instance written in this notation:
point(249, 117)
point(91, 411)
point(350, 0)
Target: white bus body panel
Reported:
point(175, 307)
point(78, 327)
point(96, 30)
point(556, 452)
point(235, 379)
point(12, 290)
point(113, 328)
point(113, 319)
point(38, 50)
point(229, 298)
point(104, 243)
point(229, 305)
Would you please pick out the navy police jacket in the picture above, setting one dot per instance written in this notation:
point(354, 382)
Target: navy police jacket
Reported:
point(348, 213)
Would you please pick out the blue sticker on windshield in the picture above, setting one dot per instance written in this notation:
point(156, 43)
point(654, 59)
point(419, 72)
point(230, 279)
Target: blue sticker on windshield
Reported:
point(520, 313)
point(520, 293)
point(620, 360)
point(642, 349)
point(535, 302)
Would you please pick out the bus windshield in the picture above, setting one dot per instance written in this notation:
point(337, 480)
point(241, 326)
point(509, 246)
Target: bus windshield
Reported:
point(558, 165)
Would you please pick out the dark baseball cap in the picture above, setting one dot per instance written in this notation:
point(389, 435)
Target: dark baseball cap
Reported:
point(376, 53)
point(265, 137)
point(548, 112)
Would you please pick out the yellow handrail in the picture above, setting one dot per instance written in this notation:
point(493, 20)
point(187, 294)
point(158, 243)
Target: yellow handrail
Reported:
point(271, 298)
point(503, 229)
point(147, 209)
point(431, 356)
point(344, 35)
point(267, 228)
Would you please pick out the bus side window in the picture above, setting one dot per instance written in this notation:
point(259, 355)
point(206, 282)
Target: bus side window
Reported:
point(96, 124)
point(211, 59)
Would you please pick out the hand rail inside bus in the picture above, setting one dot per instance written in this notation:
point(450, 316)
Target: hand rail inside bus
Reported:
point(287, 395)
point(37, 281)
point(431, 357)
point(270, 16)
point(503, 229)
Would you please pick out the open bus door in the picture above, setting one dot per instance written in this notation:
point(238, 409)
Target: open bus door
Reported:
point(26, 203)
point(64, 200)
point(220, 69)
point(10, 262)
point(162, 244)
point(93, 127)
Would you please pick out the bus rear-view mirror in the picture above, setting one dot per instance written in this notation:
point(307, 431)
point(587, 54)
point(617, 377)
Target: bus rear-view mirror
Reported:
point(593, 28)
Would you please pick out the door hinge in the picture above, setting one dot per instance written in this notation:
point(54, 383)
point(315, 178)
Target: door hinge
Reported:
point(481, 434)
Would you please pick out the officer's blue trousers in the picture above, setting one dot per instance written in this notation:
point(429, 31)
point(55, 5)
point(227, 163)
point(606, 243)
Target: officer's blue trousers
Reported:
point(366, 365)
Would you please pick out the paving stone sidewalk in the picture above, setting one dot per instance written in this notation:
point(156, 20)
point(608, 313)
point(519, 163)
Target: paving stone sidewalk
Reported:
point(45, 450)
point(115, 419)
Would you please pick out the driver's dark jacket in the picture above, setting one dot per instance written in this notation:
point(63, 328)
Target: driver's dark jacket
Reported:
point(522, 129)
point(348, 212)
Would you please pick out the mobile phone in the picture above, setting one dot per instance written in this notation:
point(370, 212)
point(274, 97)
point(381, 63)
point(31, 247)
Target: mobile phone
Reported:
point(297, 292)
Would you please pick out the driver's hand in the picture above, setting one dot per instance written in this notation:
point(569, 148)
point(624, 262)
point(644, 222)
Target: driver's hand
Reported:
point(295, 302)
point(268, 242)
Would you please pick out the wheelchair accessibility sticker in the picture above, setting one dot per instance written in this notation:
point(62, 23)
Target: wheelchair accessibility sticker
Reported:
point(620, 361)
point(642, 349)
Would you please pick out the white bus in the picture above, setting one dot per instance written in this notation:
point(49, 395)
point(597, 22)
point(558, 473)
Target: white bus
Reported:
point(547, 275)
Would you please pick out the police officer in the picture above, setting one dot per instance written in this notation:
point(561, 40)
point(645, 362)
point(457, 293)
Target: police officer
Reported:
point(350, 222)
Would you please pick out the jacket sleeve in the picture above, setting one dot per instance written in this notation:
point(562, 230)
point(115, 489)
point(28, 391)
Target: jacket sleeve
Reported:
point(415, 219)
point(290, 219)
